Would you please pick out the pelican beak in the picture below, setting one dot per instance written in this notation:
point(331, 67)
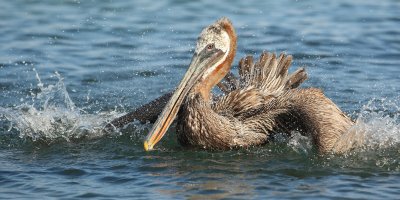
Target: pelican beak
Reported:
point(199, 64)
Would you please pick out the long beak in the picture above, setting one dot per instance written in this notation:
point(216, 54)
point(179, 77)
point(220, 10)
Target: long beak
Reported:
point(196, 69)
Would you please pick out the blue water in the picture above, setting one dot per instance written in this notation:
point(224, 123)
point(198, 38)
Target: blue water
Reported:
point(67, 67)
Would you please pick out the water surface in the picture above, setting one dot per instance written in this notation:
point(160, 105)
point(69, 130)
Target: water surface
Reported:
point(67, 67)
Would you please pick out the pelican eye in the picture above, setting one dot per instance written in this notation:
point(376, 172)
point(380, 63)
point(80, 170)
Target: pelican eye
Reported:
point(210, 47)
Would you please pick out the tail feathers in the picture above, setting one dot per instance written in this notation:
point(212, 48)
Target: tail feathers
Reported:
point(269, 73)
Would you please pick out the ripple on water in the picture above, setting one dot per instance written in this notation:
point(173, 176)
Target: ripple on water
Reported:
point(93, 195)
point(116, 179)
point(71, 172)
point(115, 44)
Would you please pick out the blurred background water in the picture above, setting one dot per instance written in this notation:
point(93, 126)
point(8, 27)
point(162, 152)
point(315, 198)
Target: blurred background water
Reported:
point(67, 67)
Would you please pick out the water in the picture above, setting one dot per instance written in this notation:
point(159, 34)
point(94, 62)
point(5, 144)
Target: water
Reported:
point(67, 67)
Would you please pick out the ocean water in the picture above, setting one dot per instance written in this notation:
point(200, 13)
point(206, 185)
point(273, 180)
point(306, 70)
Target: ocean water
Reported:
point(68, 67)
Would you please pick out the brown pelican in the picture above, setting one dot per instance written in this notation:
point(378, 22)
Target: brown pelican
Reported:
point(265, 100)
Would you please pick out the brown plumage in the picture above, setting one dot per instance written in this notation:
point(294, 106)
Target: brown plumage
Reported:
point(263, 101)
point(266, 102)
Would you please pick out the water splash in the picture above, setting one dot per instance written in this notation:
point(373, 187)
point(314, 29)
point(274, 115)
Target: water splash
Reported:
point(52, 114)
point(376, 127)
point(374, 140)
point(300, 143)
point(380, 119)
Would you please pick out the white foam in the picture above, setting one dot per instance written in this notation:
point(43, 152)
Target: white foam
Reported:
point(379, 119)
point(52, 115)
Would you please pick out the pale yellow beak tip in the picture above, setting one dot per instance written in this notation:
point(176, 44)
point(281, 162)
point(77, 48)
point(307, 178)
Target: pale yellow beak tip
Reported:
point(147, 147)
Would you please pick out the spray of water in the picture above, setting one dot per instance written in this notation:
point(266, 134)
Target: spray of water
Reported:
point(53, 115)
point(376, 127)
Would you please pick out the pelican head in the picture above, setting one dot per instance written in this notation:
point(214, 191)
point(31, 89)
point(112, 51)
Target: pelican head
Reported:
point(212, 59)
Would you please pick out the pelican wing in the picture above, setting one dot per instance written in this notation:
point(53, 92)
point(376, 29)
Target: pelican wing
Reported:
point(266, 101)
point(269, 73)
point(260, 82)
